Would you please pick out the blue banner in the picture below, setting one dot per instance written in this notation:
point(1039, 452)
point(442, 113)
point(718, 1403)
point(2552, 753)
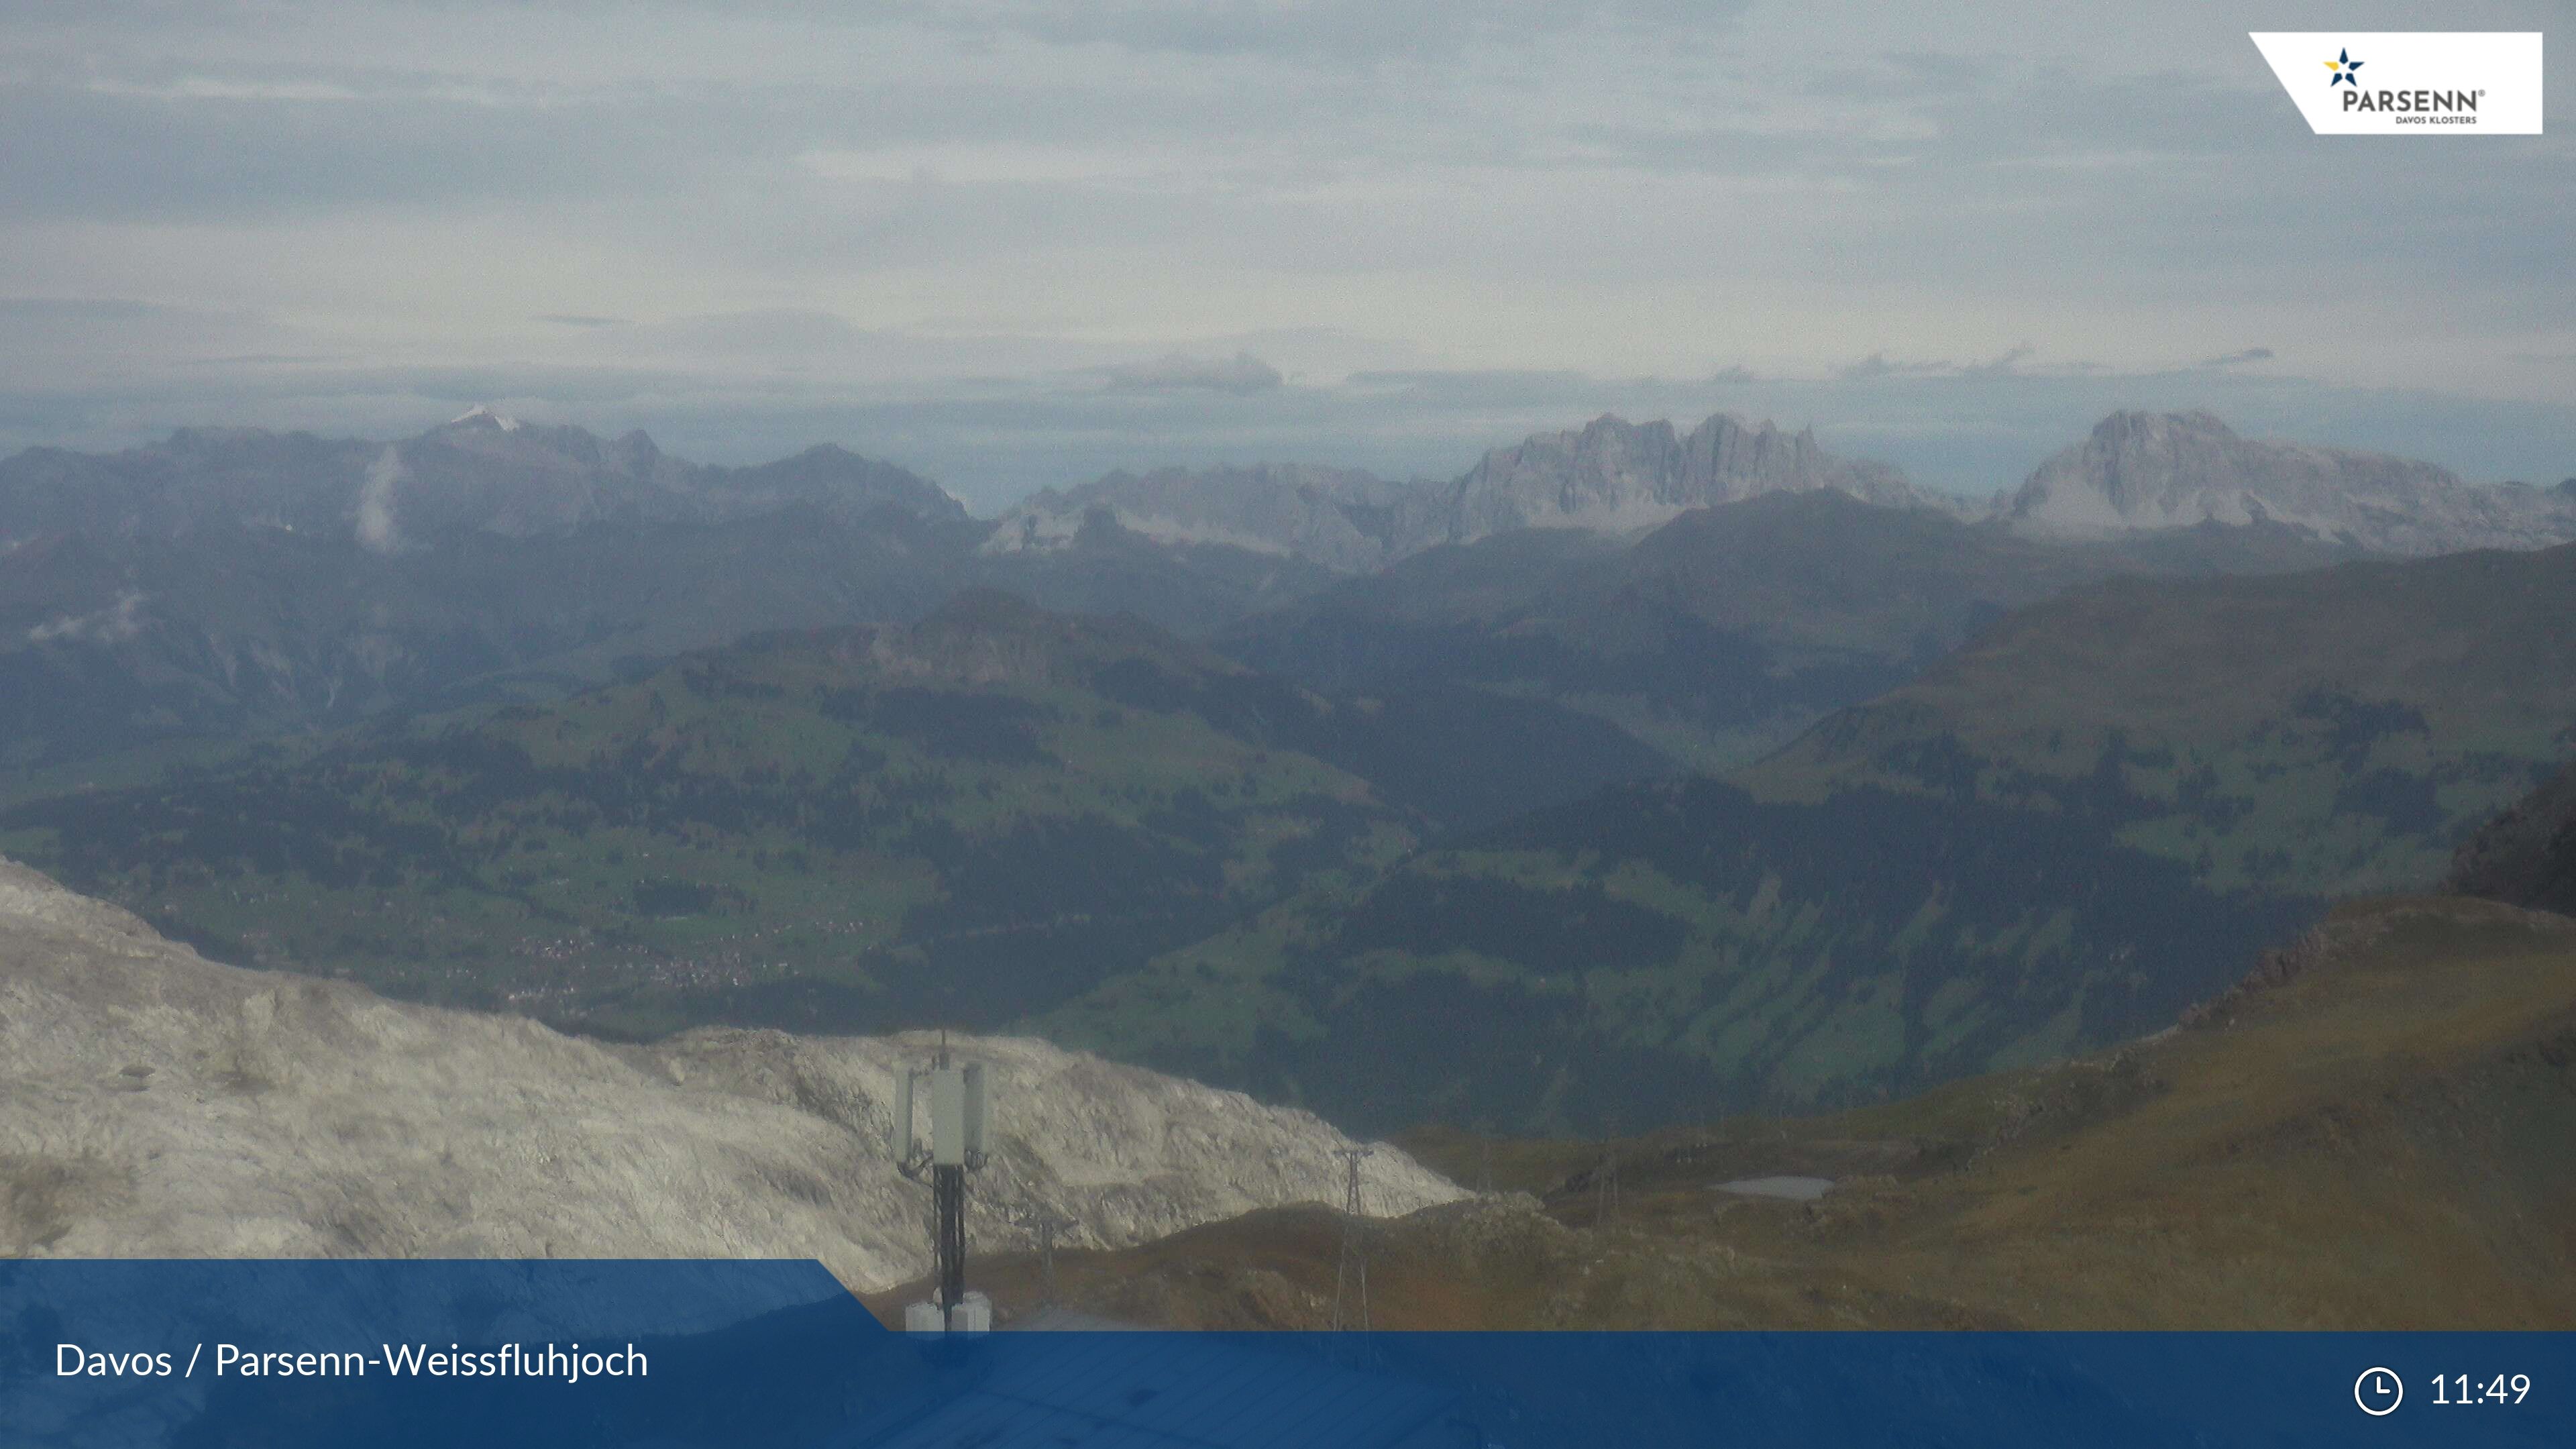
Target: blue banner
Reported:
point(286, 1355)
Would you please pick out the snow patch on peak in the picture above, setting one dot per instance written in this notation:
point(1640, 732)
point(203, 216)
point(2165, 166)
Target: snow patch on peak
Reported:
point(504, 423)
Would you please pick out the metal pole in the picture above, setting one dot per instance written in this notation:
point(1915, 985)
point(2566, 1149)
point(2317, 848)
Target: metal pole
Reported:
point(1350, 1283)
point(948, 1201)
point(1046, 1257)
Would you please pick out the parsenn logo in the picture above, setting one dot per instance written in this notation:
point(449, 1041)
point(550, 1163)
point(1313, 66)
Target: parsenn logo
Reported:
point(2448, 104)
point(2446, 84)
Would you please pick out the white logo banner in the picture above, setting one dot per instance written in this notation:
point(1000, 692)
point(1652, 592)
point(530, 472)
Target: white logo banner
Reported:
point(2361, 83)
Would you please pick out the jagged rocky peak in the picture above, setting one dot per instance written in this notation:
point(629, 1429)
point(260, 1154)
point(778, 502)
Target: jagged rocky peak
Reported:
point(834, 477)
point(1610, 476)
point(480, 416)
point(1615, 476)
point(2146, 471)
point(634, 451)
point(200, 1110)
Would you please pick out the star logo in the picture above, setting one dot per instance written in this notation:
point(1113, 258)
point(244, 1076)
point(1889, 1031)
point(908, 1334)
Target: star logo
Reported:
point(2346, 70)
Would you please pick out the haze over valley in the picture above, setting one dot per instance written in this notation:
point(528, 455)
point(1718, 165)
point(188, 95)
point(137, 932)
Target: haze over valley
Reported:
point(1678, 771)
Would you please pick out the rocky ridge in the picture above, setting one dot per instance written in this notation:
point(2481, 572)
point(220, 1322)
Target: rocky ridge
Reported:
point(2153, 471)
point(153, 1103)
point(1614, 476)
point(1610, 476)
point(479, 473)
point(2527, 855)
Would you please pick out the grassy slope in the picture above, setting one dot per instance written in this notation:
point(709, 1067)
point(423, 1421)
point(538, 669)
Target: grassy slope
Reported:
point(2376, 1142)
point(957, 822)
point(2326, 733)
point(838, 824)
point(1661, 952)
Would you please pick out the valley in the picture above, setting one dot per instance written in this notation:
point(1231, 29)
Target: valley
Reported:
point(962, 821)
point(1676, 775)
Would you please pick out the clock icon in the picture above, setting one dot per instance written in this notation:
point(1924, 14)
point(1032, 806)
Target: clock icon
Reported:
point(2379, 1392)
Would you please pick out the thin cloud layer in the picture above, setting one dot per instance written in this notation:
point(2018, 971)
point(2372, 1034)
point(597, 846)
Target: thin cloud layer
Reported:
point(1012, 240)
point(1241, 373)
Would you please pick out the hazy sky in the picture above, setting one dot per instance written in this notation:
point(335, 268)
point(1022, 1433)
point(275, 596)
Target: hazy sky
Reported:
point(1017, 243)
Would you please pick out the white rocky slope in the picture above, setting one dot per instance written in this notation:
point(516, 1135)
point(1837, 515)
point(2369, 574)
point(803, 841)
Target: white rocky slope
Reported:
point(1614, 476)
point(155, 1104)
point(2145, 471)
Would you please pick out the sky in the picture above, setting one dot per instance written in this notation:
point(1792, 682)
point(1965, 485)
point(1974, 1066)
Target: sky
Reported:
point(1014, 244)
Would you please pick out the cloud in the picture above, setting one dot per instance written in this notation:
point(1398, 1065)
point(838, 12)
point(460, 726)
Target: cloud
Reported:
point(2002, 364)
point(950, 232)
point(86, 310)
point(376, 531)
point(114, 624)
point(1341, 32)
point(1241, 373)
point(2237, 359)
point(1876, 365)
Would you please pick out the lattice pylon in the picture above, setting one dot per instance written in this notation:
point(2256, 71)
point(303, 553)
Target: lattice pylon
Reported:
point(1350, 1283)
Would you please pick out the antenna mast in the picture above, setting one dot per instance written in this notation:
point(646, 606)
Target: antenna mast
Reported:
point(1350, 1284)
point(955, 1148)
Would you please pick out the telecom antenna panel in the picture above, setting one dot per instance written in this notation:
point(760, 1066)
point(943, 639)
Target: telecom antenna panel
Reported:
point(958, 1132)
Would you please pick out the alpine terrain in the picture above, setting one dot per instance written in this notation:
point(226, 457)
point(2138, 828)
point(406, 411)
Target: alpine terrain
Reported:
point(153, 1103)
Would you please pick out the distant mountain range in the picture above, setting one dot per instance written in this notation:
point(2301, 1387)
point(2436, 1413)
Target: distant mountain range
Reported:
point(2148, 471)
point(1610, 477)
point(2139, 473)
point(481, 473)
point(229, 583)
point(233, 584)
